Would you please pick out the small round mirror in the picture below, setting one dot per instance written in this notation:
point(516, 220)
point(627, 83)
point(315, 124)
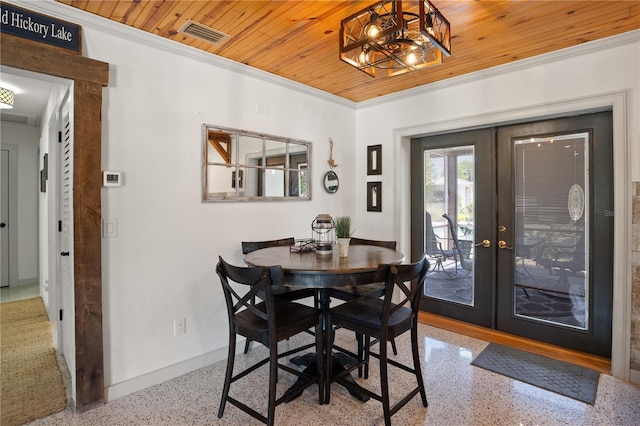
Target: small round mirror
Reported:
point(330, 182)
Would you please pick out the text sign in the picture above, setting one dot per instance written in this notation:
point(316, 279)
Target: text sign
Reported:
point(29, 25)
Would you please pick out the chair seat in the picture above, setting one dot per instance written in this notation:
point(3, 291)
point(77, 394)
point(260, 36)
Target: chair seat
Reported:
point(363, 315)
point(291, 319)
point(356, 291)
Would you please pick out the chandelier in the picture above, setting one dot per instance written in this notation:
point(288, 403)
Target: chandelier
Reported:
point(386, 37)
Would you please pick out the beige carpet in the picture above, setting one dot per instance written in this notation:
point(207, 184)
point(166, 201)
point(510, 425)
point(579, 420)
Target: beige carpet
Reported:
point(31, 383)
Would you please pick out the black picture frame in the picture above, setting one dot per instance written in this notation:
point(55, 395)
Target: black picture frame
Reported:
point(374, 160)
point(240, 178)
point(374, 196)
point(45, 165)
point(43, 181)
point(44, 173)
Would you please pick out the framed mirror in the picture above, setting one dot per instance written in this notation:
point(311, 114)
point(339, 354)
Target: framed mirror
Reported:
point(331, 182)
point(239, 165)
point(374, 196)
point(374, 160)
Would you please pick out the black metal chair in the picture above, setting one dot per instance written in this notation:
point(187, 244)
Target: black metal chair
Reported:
point(461, 256)
point(384, 320)
point(375, 289)
point(433, 246)
point(566, 261)
point(268, 322)
point(280, 292)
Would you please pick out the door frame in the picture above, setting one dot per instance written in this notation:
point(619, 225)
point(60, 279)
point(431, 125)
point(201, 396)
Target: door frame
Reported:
point(89, 76)
point(13, 211)
point(482, 311)
point(597, 229)
point(614, 101)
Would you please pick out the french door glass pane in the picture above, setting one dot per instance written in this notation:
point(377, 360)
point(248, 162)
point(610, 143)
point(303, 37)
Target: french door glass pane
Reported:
point(551, 229)
point(449, 177)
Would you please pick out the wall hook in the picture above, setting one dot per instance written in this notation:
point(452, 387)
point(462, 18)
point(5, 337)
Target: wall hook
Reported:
point(332, 163)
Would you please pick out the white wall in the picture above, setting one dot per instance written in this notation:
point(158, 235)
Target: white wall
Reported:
point(26, 138)
point(481, 99)
point(605, 73)
point(161, 265)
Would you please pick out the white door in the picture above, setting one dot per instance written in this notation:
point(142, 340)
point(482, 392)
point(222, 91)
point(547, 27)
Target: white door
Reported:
point(8, 215)
point(65, 240)
point(4, 218)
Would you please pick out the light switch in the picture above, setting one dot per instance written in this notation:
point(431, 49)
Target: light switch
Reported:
point(109, 228)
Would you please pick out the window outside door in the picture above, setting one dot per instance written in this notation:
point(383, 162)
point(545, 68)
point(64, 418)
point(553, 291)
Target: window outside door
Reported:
point(514, 223)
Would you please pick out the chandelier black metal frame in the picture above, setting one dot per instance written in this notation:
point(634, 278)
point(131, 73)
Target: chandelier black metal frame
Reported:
point(386, 37)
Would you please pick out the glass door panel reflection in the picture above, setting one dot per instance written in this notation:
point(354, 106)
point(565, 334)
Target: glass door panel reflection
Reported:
point(449, 178)
point(551, 229)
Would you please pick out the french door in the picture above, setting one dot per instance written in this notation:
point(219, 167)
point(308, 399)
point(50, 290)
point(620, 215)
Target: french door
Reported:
point(516, 222)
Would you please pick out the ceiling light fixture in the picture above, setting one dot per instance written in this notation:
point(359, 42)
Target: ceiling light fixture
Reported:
point(6, 98)
point(386, 37)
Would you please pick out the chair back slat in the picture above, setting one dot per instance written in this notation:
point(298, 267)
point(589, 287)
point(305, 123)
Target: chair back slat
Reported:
point(406, 294)
point(249, 246)
point(355, 241)
point(259, 282)
point(397, 276)
point(247, 300)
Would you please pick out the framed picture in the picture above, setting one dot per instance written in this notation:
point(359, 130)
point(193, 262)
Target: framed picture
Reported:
point(374, 160)
point(45, 165)
point(44, 173)
point(233, 178)
point(43, 181)
point(374, 196)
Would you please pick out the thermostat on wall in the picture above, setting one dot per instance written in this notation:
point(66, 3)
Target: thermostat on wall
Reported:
point(111, 178)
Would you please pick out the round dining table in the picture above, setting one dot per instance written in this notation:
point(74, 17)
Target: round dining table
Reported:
point(325, 272)
point(322, 271)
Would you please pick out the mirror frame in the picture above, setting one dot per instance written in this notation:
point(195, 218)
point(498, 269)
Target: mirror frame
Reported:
point(227, 147)
point(331, 189)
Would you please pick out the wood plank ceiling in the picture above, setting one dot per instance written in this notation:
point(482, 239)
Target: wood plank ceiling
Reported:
point(298, 40)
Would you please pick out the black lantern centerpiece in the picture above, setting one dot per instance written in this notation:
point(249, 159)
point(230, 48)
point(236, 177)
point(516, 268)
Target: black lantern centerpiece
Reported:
point(323, 234)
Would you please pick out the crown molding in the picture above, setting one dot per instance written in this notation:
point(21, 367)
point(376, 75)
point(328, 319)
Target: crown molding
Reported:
point(116, 29)
point(98, 23)
point(582, 49)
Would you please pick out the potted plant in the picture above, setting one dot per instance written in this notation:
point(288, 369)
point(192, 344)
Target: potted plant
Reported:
point(343, 233)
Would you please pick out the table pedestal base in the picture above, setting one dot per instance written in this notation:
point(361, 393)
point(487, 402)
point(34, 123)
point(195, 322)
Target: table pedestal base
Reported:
point(308, 361)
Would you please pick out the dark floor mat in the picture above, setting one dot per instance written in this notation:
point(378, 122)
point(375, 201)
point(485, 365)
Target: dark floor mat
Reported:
point(556, 376)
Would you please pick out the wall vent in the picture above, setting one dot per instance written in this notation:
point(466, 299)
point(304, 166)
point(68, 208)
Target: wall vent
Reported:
point(202, 32)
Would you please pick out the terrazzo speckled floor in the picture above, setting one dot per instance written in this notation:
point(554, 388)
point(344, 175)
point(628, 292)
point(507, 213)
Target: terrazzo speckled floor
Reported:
point(458, 394)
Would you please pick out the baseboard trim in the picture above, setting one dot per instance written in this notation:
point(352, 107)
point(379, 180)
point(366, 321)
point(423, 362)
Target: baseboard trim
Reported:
point(634, 377)
point(127, 387)
point(594, 362)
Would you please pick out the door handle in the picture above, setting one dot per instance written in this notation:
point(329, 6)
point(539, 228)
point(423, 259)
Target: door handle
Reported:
point(503, 245)
point(64, 253)
point(2, 225)
point(484, 243)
